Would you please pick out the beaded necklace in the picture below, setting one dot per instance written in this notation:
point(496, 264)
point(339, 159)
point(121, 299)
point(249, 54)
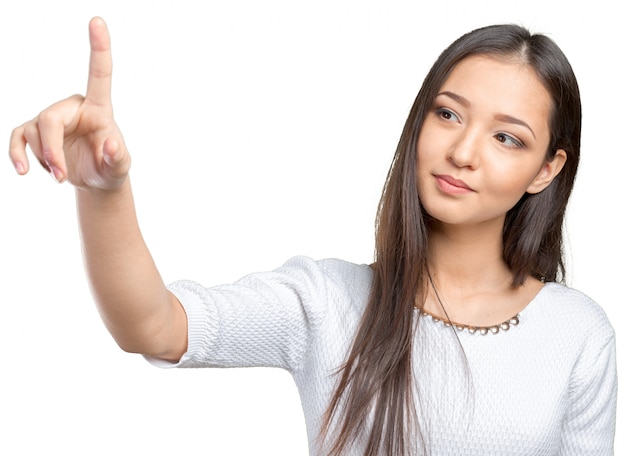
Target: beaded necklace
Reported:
point(471, 329)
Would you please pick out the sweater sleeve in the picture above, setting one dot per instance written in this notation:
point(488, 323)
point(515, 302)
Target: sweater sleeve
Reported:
point(264, 319)
point(589, 426)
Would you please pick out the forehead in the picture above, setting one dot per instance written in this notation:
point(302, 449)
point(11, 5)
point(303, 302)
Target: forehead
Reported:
point(505, 85)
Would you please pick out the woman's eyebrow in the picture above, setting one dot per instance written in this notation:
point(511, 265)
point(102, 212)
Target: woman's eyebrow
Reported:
point(514, 120)
point(456, 97)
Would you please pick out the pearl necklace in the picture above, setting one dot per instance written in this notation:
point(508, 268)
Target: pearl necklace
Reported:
point(471, 329)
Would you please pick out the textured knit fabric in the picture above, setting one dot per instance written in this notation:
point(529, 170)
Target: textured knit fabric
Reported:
point(544, 387)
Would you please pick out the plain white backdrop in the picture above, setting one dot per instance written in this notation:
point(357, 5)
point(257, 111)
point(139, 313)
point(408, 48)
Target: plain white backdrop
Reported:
point(258, 131)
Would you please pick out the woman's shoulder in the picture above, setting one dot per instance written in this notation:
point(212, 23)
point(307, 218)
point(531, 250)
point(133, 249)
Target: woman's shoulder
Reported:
point(569, 309)
point(333, 270)
point(346, 284)
point(351, 274)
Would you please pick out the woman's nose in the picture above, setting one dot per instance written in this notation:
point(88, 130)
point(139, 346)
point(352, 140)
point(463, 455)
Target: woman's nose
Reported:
point(466, 149)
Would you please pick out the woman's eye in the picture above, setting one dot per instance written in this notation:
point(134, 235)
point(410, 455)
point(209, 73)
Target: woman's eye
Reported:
point(508, 140)
point(446, 114)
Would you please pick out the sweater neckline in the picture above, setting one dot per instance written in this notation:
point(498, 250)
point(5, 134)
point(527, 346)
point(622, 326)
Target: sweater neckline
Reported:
point(502, 327)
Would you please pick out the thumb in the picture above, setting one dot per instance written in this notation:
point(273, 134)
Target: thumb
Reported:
point(115, 157)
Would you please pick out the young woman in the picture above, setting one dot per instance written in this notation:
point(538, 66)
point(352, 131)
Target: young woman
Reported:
point(457, 340)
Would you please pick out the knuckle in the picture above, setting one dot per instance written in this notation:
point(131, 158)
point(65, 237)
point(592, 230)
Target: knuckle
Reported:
point(16, 134)
point(30, 133)
point(47, 117)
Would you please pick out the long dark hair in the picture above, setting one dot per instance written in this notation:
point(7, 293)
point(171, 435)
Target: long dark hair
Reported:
point(373, 399)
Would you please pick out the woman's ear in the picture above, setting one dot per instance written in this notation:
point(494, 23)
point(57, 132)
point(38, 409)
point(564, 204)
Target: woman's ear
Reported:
point(548, 172)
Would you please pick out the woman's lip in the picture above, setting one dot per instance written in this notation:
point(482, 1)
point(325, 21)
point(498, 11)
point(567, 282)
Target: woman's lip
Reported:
point(449, 184)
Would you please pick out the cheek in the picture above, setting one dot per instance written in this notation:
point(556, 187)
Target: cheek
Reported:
point(423, 161)
point(510, 182)
point(429, 148)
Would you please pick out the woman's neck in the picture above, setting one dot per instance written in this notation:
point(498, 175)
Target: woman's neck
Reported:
point(472, 279)
point(469, 256)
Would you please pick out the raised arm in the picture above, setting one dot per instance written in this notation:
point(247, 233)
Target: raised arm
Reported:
point(77, 140)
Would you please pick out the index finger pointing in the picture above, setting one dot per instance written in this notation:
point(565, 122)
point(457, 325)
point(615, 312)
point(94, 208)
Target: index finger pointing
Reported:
point(100, 63)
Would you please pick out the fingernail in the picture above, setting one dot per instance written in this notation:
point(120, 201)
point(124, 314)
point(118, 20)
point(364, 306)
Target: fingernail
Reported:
point(56, 174)
point(20, 168)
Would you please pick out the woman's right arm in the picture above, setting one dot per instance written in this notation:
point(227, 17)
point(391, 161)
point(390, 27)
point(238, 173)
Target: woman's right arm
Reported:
point(78, 140)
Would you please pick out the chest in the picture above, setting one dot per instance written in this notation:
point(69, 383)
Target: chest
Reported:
point(488, 395)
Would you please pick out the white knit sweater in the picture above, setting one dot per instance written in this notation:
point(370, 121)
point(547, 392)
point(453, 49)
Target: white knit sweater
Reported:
point(544, 387)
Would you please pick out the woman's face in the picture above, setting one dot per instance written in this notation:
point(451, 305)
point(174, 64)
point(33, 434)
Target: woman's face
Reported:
point(483, 143)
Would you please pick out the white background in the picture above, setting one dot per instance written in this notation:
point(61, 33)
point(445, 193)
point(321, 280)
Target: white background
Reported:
point(258, 130)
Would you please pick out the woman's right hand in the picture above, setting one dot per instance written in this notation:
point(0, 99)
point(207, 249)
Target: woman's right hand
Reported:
point(77, 139)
